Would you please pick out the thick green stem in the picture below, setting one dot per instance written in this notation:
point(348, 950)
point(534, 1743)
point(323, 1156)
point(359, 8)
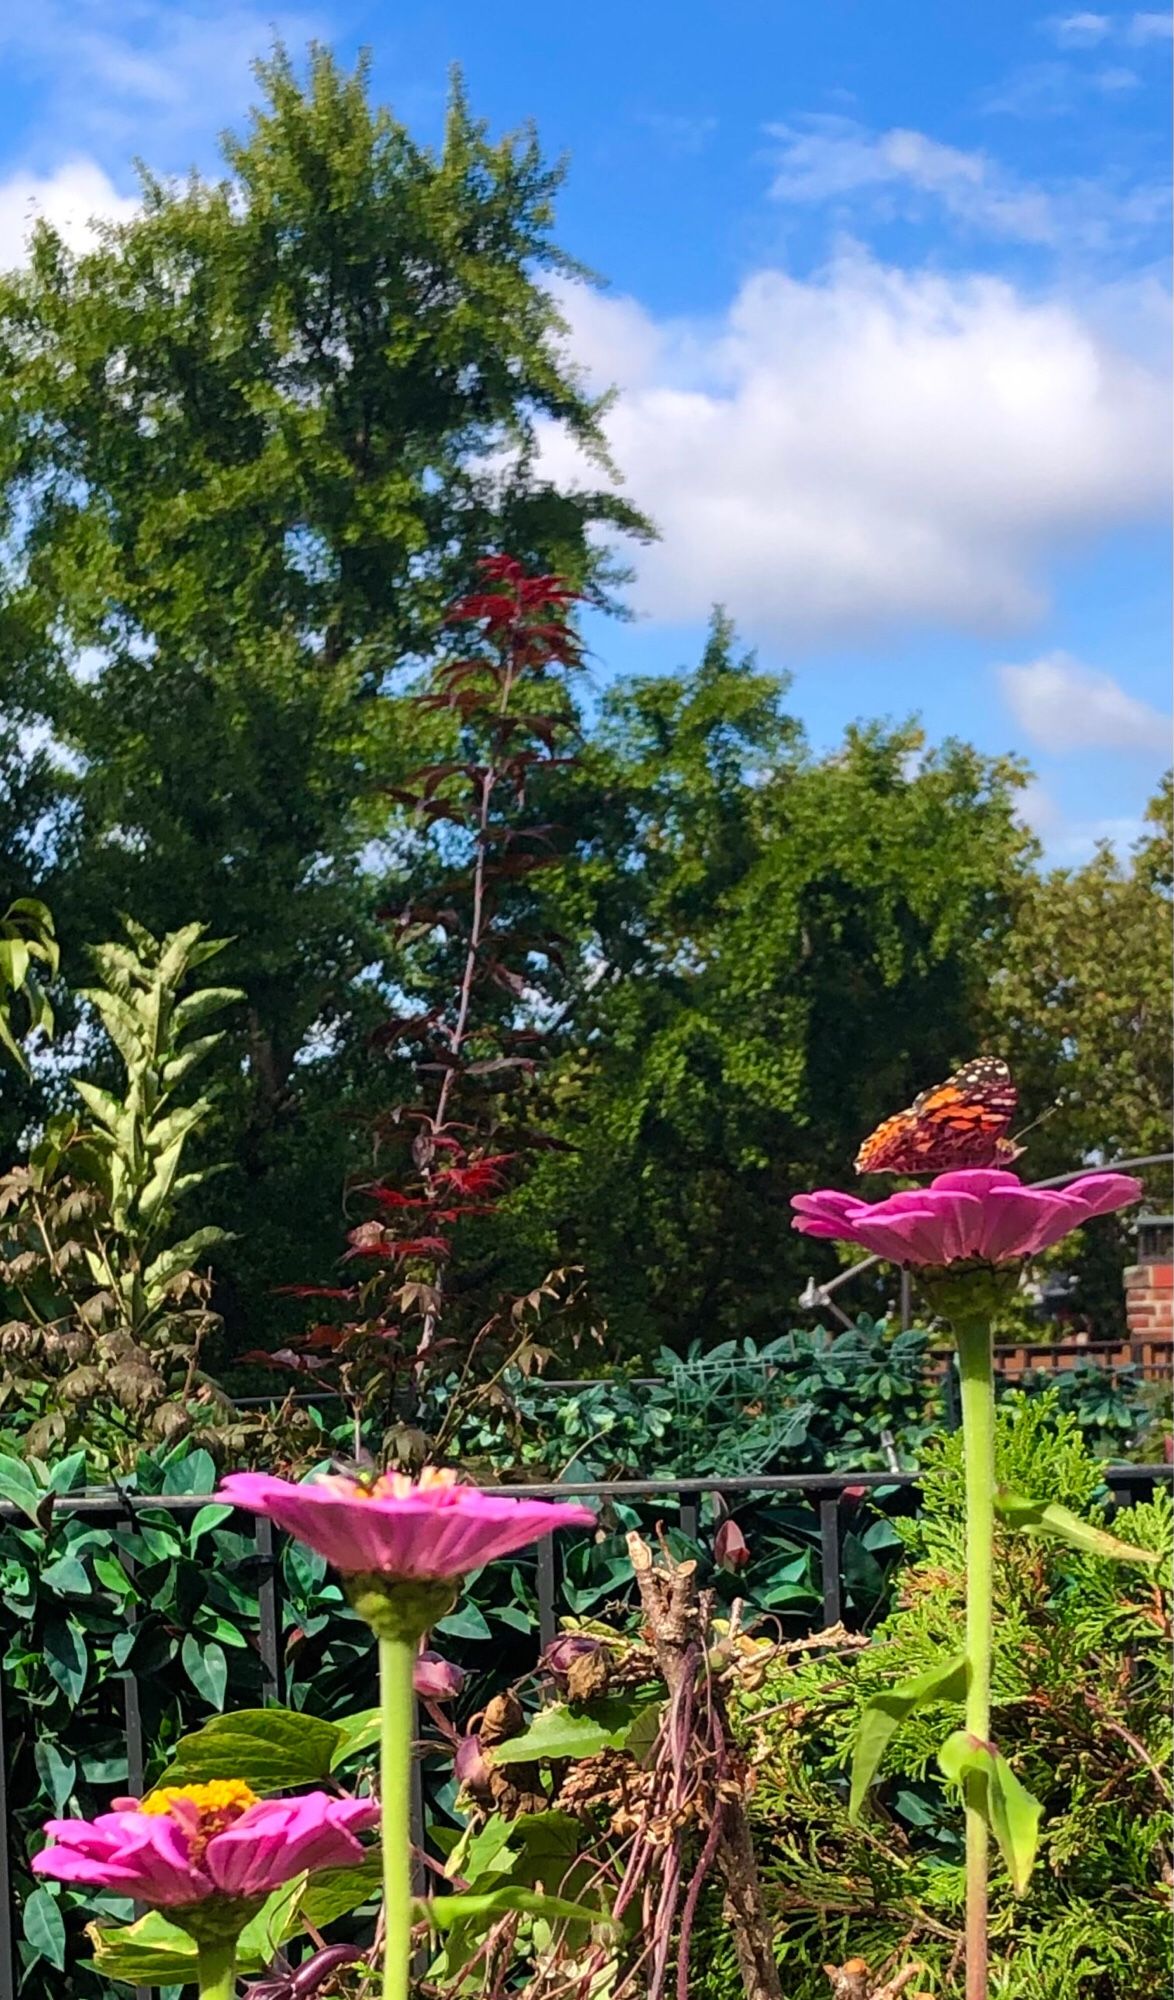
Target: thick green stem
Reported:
point(396, 1716)
point(976, 1366)
point(216, 1970)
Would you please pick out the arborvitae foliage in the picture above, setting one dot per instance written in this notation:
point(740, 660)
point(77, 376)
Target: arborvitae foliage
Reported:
point(1082, 1711)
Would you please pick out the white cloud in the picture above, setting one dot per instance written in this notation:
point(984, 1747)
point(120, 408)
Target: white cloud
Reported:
point(832, 160)
point(868, 449)
point(829, 159)
point(1144, 28)
point(1080, 31)
point(72, 199)
point(149, 76)
point(1062, 705)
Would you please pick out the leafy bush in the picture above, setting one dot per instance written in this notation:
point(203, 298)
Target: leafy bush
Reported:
point(1082, 1708)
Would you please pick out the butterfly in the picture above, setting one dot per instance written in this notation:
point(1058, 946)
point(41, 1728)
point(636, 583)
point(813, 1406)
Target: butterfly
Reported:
point(962, 1122)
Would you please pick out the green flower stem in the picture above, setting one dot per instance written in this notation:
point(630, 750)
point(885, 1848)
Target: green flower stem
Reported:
point(396, 1716)
point(976, 1366)
point(216, 1969)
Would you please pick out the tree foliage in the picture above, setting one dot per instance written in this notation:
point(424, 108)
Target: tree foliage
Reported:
point(250, 444)
point(777, 949)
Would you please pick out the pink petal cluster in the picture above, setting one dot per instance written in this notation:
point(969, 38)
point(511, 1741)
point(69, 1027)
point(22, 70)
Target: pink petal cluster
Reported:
point(425, 1531)
point(164, 1859)
point(982, 1213)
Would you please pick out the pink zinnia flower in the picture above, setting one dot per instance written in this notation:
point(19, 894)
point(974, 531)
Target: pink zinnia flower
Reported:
point(426, 1531)
point(187, 1843)
point(979, 1214)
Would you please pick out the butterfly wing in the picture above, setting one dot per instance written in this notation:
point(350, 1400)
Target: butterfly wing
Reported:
point(962, 1122)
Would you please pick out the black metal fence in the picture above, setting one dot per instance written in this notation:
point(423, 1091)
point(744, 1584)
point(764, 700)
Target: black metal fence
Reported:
point(683, 1497)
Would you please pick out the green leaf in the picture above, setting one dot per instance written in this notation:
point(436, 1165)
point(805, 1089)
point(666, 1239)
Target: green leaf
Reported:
point(1011, 1812)
point(67, 1577)
point(197, 1006)
point(66, 1657)
point(57, 1772)
point(887, 1711)
point(18, 1485)
point(442, 1912)
point(334, 1892)
point(556, 1732)
point(355, 1733)
point(153, 1952)
point(180, 1257)
point(208, 1517)
point(44, 1926)
point(270, 1749)
point(195, 1472)
point(1047, 1517)
point(467, 1622)
point(206, 1668)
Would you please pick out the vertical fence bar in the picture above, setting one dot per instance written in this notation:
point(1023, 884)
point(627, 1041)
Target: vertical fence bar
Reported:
point(906, 1300)
point(690, 1517)
point(132, 1710)
point(7, 1912)
point(269, 1611)
point(829, 1551)
point(547, 1621)
point(951, 1399)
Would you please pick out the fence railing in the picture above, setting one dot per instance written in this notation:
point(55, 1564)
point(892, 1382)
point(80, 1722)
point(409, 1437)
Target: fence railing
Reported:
point(684, 1497)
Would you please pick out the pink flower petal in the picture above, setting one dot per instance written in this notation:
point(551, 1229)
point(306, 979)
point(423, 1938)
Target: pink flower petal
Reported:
point(985, 1213)
point(975, 1180)
point(427, 1533)
point(279, 1838)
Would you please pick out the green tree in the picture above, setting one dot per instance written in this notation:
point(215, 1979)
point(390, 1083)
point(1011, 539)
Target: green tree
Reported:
point(1083, 1000)
point(778, 949)
point(1081, 1006)
point(250, 444)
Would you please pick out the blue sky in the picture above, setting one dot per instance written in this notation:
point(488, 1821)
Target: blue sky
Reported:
point(888, 311)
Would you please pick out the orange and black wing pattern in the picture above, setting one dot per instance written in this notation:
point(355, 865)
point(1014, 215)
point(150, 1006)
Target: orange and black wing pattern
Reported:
point(960, 1123)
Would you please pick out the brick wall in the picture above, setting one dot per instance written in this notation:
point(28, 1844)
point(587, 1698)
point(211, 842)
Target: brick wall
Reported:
point(1149, 1310)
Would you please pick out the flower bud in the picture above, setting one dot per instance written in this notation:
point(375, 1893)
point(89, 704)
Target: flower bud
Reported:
point(563, 1651)
point(437, 1679)
point(730, 1546)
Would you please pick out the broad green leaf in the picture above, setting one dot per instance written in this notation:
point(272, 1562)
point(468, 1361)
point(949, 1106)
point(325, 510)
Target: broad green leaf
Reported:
point(556, 1732)
point(44, 1926)
point(211, 1516)
point(180, 1257)
point(208, 1000)
point(67, 1577)
point(887, 1711)
point(442, 1912)
point(270, 1749)
point(66, 1657)
point(206, 1669)
point(18, 1485)
point(332, 1893)
point(1047, 1517)
point(106, 1109)
point(1012, 1814)
point(57, 1772)
point(355, 1733)
point(14, 961)
point(153, 1952)
point(194, 1472)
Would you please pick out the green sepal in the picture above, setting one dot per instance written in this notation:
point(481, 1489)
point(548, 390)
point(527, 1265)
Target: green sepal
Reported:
point(1047, 1517)
point(1009, 1809)
point(886, 1712)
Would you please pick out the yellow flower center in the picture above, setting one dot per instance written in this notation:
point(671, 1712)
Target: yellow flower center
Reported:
point(203, 1810)
point(392, 1485)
